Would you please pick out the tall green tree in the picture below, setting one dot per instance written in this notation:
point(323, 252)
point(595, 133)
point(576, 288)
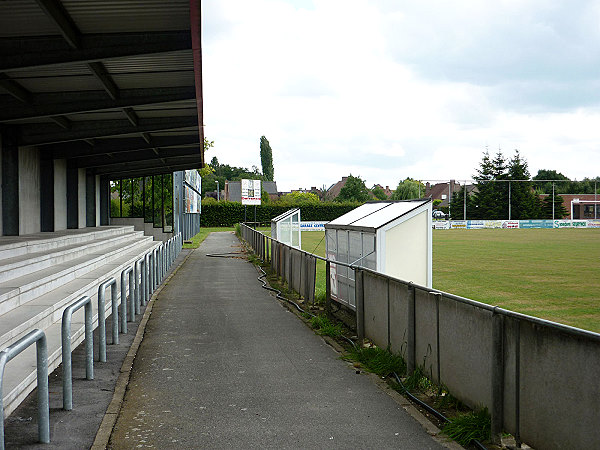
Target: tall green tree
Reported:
point(379, 193)
point(559, 209)
point(266, 159)
point(457, 206)
point(408, 189)
point(524, 203)
point(353, 191)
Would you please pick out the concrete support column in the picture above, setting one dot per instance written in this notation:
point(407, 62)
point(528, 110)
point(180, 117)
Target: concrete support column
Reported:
point(90, 199)
point(10, 181)
point(104, 201)
point(47, 193)
point(72, 195)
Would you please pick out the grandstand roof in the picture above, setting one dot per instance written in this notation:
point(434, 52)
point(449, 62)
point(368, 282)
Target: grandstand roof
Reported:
point(112, 86)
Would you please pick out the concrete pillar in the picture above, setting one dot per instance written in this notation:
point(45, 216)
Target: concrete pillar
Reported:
point(60, 194)
point(46, 193)
point(29, 190)
point(90, 199)
point(72, 195)
point(97, 198)
point(104, 201)
point(10, 181)
point(82, 200)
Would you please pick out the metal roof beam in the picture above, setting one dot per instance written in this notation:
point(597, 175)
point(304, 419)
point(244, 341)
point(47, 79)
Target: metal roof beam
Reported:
point(64, 103)
point(61, 121)
point(115, 146)
point(14, 88)
point(132, 170)
point(142, 155)
point(39, 134)
point(109, 85)
point(25, 53)
point(55, 10)
point(131, 116)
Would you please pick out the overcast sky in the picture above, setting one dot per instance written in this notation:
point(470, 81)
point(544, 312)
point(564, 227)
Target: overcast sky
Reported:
point(389, 89)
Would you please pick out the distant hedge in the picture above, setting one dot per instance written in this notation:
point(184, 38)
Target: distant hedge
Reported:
point(227, 214)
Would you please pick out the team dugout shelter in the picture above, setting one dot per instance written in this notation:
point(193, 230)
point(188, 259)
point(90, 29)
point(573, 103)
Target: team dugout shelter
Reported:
point(93, 91)
point(392, 238)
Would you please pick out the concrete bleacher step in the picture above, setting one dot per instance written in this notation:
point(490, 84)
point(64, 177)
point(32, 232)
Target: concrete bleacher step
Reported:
point(11, 246)
point(22, 289)
point(16, 266)
point(38, 299)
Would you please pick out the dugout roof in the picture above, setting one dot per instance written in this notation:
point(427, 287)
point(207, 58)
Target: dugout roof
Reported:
point(110, 85)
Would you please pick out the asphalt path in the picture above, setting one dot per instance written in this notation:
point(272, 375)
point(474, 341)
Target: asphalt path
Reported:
point(224, 365)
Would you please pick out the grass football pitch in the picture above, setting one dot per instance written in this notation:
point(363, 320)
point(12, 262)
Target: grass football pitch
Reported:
point(547, 273)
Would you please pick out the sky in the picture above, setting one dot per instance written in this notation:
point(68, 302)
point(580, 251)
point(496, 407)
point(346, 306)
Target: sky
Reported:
point(389, 89)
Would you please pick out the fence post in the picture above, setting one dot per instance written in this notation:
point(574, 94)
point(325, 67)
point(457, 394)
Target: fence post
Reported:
point(328, 288)
point(497, 376)
point(411, 338)
point(359, 294)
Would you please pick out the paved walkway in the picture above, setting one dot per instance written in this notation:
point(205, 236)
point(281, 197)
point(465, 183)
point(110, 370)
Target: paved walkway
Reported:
point(224, 365)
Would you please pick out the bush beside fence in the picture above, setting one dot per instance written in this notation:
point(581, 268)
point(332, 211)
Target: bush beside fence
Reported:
point(227, 214)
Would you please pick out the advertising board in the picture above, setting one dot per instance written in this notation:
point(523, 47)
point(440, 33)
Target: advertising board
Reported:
point(475, 224)
point(193, 198)
point(312, 226)
point(251, 192)
point(595, 223)
point(536, 224)
point(458, 224)
point(510, 224)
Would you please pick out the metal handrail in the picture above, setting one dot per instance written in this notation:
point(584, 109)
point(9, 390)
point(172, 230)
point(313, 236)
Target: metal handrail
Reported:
point(124, 273)
point(140, 282)
point(112, 282)
point(39, 337)
point(66, 348)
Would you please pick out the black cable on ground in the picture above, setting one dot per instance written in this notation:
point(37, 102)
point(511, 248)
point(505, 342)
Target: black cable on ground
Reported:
point(265, 285)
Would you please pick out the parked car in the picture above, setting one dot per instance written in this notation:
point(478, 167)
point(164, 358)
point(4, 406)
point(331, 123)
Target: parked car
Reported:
point(437, 214)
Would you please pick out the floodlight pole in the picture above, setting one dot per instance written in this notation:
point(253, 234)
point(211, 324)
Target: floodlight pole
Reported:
point(552, 202)
point(595, 200)
point(465, 198)
point(509, 200)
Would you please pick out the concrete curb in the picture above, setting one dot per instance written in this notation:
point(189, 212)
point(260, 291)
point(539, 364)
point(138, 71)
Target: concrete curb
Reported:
point(112, 412)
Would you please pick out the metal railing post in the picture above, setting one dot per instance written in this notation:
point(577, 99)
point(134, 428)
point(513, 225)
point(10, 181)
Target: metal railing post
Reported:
point(102, 316)
point(124, 274)
point(139, 283)
point(67, 375)
point(9, 353)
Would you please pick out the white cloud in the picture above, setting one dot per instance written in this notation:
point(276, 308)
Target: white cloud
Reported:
point(387, 90)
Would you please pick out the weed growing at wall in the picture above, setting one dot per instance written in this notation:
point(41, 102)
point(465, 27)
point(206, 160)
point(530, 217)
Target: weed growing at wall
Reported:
point(466, 427)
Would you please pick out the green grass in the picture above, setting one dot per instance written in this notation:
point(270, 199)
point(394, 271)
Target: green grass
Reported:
point(547, 273)
point(325, 327)
point(197, 240)
point(377, 360)
point(466, 427)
